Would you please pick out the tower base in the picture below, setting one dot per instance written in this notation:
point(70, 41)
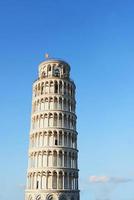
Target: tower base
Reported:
point(52, 195)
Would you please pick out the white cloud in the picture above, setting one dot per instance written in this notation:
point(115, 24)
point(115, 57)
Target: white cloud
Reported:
point(108, 179)
point(99, 179)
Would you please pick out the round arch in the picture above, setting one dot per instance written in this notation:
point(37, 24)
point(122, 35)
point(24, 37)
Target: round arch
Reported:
point(38, 197)
point(51, 197)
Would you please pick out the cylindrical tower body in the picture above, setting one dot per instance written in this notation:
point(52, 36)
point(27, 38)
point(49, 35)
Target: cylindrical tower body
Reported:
point(52, 166)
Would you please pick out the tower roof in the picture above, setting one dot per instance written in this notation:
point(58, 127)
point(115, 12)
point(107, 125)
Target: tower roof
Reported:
point(54, 60)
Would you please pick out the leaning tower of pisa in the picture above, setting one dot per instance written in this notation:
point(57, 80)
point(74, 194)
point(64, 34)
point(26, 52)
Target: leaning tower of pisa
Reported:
point(52, 157)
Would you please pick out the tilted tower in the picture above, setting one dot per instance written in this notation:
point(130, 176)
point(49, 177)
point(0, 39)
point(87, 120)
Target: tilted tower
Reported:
point(52, 166)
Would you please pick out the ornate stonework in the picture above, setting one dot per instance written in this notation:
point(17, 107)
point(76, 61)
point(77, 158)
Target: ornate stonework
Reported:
point(52, 166)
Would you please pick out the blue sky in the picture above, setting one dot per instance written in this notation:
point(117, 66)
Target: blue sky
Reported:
point(97, 38)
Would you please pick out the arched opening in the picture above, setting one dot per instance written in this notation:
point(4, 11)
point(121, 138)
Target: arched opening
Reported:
point(57, 72)
point(64, 70)
point(50, 139)
point(51, 87)
point(42, 88)
point(37, 184)
point(60, 103)
point(64, 88)
point(71, 91)
point(73, 181)
point(55, 119)
point(69, 121)
point(44, 181)
point(49, 181)
point(41, 121)
point(65, 159)
point(46, 88)
point(55, 159)
point(60, 138)
point(46, 104)
point(55, 138)
point(49, 158)
point(60, 180)
point(65, 139)
point(43, 74)
point(49, 70)
point(68, 89)
point(69, 160)
point(73, 142)
point(69, 105)
point(64, 104)
point(65, 180)
point(60, 159)
point(37, 122)
point(54, 180)
point(39, 160)
point(45, 121)
point(55, 103)
point(42, 104)
point(73, 160)
point(36, 159)
point(45, 138)
point(56, 87)
point(69, 140)
point(60, 120)
point(38, 88)
point(60, 87)
point(50, 123)
point(65, 121)
point(56, 142)
point(70, 181)
point(44, 159)
point(51, 103)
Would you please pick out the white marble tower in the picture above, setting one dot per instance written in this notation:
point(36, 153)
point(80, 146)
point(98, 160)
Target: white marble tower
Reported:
point(52, 166)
